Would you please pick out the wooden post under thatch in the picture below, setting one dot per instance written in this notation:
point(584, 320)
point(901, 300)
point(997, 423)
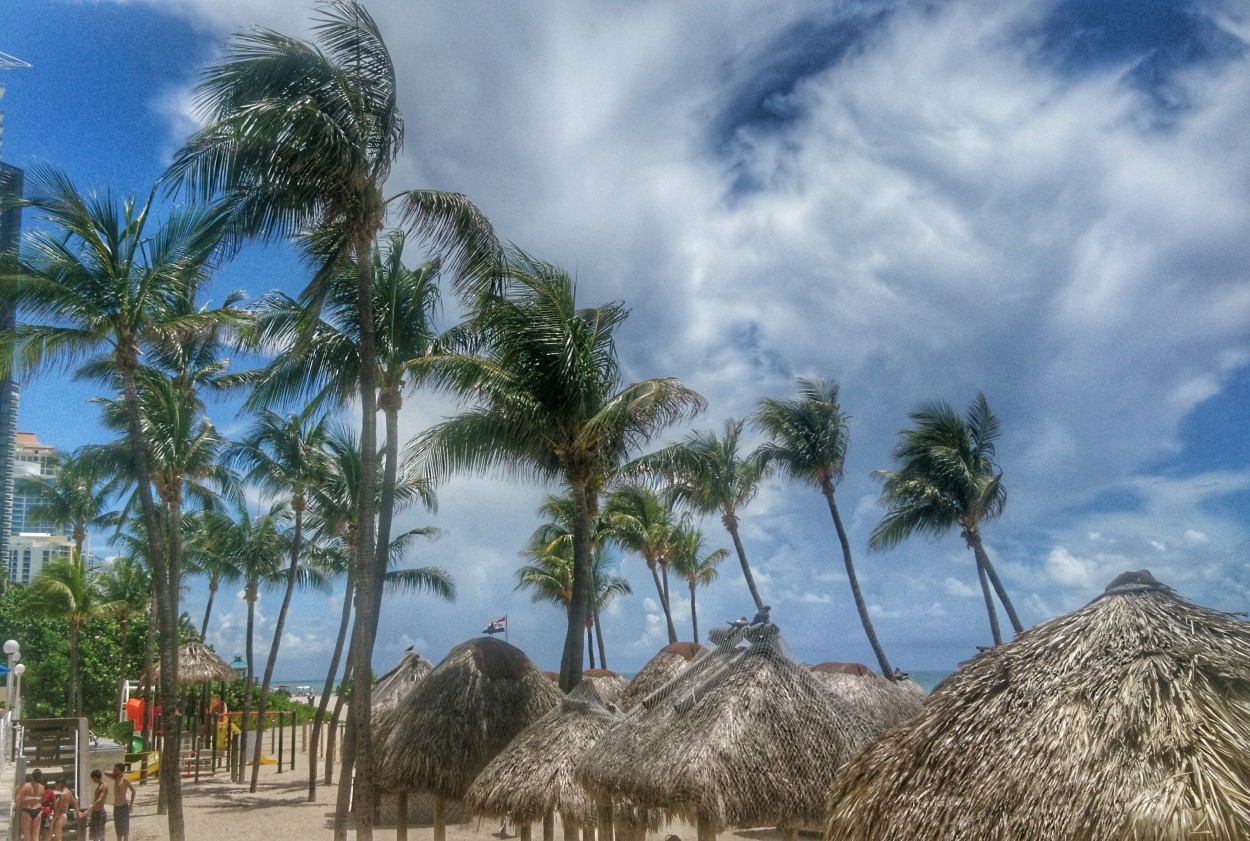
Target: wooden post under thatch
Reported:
point(549, 826)
point(603, 815)
point(440, 818)
point(525, 832)
point(572, 832)
point(706, 828)
point(401, 816)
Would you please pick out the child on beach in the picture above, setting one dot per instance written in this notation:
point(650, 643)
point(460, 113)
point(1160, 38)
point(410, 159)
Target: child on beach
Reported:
point(96, 812)
point(123, 799)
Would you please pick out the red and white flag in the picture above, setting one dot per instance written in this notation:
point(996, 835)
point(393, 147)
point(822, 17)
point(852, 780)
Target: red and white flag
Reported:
point(499, 626)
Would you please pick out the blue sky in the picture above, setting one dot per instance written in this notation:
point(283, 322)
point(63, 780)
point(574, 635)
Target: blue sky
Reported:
point(1049, 203)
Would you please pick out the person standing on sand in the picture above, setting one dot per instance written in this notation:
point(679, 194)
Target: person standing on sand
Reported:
point(96, 813)
point(123, 799)
point(29, 801)
point(60, 815)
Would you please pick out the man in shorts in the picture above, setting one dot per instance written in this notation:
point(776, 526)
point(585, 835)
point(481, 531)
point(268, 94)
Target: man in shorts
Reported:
point(123, 799)
point(96, 812)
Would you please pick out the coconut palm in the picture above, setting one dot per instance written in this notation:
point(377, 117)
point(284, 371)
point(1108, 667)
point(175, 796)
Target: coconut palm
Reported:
point(284, 457)
point(75, 497)
point(105, 278)
point(947, 477)
point(710, 475)
point(807, 440)
point(301, 137)
point(547, 402)
point(64, 589)
point(643, 521)
point(126, 588)
point(206, 555)
point(689, 559)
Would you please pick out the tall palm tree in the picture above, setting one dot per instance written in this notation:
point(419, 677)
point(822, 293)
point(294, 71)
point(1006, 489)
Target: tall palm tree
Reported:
point(643, 521)
point(807, 441)
point(101, 279)
point(206, 555)
point(76, 497)
point(547, 402)
point(690, 560)
point(947, 477)
point(710, 475)
point(301, 137)
point(284, 457)
point(126, 587)
point(64, 589)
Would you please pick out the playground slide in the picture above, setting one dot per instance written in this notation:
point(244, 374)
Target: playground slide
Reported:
point(154, 767)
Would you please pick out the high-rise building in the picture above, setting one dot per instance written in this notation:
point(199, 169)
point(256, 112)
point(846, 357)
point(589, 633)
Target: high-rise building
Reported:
point(10, 232)
point(32, 543)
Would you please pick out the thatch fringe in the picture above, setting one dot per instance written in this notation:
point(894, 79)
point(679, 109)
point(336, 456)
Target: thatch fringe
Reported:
point(671, 661)
point(1126, 719)
point(748, 739)
point(197, 663)
point(465, 711)
point(608, 685)
point(883, 703)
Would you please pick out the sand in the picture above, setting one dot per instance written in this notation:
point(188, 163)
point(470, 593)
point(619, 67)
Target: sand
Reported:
point(215, 809)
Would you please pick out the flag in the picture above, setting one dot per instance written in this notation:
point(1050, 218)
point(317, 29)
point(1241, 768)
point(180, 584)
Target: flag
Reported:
point(497, 627)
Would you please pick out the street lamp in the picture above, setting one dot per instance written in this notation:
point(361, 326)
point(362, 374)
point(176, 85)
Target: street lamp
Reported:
point(18, 671)
point(14, 652)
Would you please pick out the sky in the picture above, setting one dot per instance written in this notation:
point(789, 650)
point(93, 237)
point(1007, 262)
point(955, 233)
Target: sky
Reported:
point(1045, 202)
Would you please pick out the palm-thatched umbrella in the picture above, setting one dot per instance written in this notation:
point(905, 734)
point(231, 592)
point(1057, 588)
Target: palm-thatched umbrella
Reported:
point(883, 703)
point(442, 734)
point(608, 685)
point(399, 681)
point(1128, 718)
point(533, 776)
point(671, 661)
point(197, 663)
point(744, 738)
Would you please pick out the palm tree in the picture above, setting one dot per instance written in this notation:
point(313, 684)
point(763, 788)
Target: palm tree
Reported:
point(689, 559)
point(76, 497)
point(947, 477)
point(710, 476)
point(206, 555)
point(126, 587)
point(101, 279)
point(548, 403)
point(64, 589)
point(642, 521)
point(807, 443)
point(301, 137)
point(284, 456)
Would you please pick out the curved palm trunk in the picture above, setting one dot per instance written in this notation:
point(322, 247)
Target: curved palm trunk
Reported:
point(213, 583)
point(335, 717)
point(984, 560)
point(663, 596)
point(989, 603)
point(167, 618)
point(75, 680)
point(347, 781)
point(590, 644)
point(250, 596)
point(731, 525)
point(148, 656)
point(292, 573)
point(860, 605)
point(171, 728)
point(603, 657)
point(571, 661)
point(324, 702)
point(694, 613)
point(369, 583)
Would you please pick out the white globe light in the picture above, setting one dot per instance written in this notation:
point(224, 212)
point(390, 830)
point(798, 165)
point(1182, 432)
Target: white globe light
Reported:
point(11, 647)
point(19, 669)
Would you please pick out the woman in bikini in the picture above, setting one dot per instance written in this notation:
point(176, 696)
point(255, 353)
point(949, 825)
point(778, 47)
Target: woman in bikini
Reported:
point(30, 803)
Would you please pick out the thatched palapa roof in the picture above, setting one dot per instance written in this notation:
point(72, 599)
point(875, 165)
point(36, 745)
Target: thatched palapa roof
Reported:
point(534, 773)
point(742, 738)
point(1128, 718)
point(197, 663)
point(399, 681)
point(663, 667)
point(465, 711)
point(608, 685)
point(883, 703)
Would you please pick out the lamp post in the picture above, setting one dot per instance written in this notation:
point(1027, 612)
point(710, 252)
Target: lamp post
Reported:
point(18, 671)
point(14, 652)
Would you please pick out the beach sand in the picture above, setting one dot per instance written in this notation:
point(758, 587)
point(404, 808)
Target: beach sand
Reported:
point(215, 809)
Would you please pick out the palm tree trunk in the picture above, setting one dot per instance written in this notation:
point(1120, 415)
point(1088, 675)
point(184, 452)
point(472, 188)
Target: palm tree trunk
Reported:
point(149, 651)
point(292, 574)
point(250, 596)
point(731, 524)
point(659, 589)
point(603, 657)
point(571, 662)
point(349, 791)
point(75, 681)
point(124, 631)
point(984, 560)
point(860, 605)
point(340, 699)
point(324, 701)
point(208, 609)
point(369, 583)
point(590, 645)
point(694, 614)
point(989, 603)
point(167, 617)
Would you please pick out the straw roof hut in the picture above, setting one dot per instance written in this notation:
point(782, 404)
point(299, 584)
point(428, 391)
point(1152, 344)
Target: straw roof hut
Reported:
point(1128, 718)
point(533, 776)
point(883, 703)
point(743, 738)
point(197, 663)
point(671, 661)
point(399, 681)
point(608, 685)
point(465, 711)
